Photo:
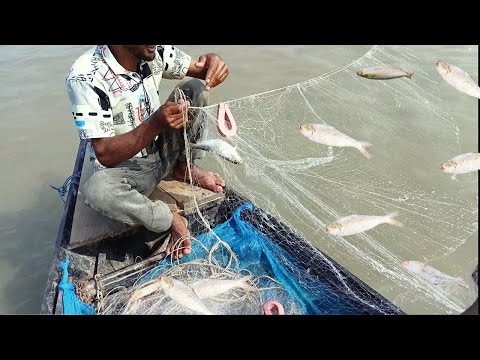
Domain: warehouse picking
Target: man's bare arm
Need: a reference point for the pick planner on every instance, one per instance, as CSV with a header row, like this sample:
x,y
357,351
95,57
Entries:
x,y
114,150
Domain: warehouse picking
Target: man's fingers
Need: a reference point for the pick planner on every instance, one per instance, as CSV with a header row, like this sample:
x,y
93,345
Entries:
x,y
219,75
201,61
177,122
218,78
212,69
222,74
177,109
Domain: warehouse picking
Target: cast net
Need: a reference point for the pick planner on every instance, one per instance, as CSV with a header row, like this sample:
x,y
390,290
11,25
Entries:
x,y
413,126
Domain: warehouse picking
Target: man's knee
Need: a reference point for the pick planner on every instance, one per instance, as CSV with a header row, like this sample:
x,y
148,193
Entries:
x,y
97,190
195,91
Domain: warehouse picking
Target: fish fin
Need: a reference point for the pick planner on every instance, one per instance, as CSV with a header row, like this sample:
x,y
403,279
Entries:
x,y
363,150
462,283
392,221
409,75
454,177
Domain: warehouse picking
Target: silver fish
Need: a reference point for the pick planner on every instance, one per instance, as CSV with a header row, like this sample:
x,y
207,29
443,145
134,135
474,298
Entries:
x,y
383,73
220,148
144,291
183,294
328,135
462,164
458,78
431,274
355,224
207,288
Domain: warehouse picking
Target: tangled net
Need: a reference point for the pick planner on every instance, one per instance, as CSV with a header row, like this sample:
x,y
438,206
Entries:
x,y
247,297
414,124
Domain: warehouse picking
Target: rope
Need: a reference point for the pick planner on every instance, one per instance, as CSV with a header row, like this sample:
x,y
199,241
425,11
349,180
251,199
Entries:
x,y
64,189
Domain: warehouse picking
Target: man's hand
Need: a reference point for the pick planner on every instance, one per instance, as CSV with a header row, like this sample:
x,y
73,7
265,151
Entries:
x,y
171,115
180,243
211,68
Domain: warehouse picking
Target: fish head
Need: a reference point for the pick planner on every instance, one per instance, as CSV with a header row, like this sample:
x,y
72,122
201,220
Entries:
x,y
414,266
333,228
442,67
448,166
307,129
366,73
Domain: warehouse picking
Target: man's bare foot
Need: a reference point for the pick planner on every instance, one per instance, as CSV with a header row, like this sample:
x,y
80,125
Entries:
x,y
176,247
205,179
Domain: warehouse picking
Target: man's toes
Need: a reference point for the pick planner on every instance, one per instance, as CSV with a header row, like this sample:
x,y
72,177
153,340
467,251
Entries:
x,y
219,180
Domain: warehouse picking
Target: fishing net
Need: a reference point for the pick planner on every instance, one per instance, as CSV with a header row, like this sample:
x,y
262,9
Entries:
x,y
270,272
215,263
307,186
298,187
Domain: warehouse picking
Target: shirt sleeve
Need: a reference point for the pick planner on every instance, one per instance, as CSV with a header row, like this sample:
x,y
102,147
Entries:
x,y
175,62
91,108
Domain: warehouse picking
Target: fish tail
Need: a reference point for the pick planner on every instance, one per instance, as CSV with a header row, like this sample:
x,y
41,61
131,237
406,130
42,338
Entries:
x,y
392,221
462,283
363,148
409,75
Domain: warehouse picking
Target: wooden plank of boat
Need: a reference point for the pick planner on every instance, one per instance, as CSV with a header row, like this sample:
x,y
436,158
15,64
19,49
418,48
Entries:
x,y
88,224
119,276
161,195
184,195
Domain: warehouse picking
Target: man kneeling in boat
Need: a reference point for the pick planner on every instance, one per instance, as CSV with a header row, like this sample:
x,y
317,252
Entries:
x,y
135,141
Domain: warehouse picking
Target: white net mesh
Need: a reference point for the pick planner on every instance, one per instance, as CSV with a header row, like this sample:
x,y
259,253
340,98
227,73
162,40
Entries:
x,y
206,284
308,186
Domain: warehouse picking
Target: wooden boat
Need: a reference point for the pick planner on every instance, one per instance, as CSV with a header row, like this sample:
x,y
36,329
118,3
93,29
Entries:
x,y
104,254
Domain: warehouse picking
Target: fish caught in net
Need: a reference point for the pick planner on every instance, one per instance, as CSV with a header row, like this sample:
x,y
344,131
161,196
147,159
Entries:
x,y
412,124
379,152
199,287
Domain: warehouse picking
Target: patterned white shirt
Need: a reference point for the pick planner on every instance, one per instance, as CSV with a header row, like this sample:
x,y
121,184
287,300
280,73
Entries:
x,y
108,100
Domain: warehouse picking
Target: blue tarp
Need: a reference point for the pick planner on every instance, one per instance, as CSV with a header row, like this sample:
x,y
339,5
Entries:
x,y
257,254
71,304
261,256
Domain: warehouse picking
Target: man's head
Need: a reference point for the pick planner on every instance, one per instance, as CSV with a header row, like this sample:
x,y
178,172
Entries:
x,y
142,52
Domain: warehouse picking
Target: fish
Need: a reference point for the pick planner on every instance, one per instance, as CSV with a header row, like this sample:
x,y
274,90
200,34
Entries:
x,y
328,135
355,224
220,148
462,164
145,291
458,78
183,295
207,288
383,73
431,274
